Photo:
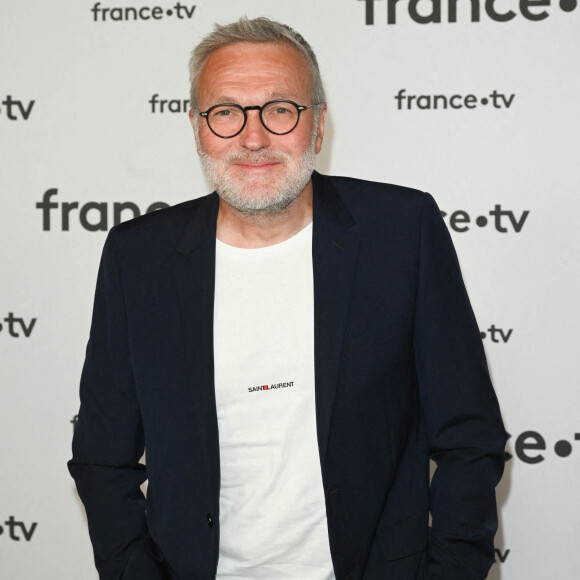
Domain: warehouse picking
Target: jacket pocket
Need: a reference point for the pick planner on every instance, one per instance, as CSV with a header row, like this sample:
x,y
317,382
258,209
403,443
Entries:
x,y
405,537
146,563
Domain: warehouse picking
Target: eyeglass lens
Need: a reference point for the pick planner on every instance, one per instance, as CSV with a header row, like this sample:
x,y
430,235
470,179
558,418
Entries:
x,y
277,116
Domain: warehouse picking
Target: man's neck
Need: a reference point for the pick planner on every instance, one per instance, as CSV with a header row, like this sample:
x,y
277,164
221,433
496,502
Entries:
x,y
257,231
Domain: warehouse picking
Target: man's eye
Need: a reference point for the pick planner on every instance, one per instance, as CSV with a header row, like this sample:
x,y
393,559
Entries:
x,y
281,110
225,114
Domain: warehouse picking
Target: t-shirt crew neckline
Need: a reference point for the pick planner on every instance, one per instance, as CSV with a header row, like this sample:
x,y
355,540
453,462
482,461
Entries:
x,y
289,244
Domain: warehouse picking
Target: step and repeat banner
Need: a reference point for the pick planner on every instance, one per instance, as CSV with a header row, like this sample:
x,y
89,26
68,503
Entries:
x,y
475,101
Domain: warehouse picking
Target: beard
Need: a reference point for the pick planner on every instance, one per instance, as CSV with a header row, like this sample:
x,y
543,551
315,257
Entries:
x,y
254,195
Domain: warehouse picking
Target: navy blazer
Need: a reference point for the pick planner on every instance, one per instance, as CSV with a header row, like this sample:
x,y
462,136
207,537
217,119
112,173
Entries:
x,y
400,377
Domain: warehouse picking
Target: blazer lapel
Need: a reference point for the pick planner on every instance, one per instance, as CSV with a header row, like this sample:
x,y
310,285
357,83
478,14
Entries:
x,y
194,279
334,252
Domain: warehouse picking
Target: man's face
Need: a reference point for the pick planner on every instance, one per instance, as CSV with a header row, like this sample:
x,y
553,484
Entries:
x,y
257,171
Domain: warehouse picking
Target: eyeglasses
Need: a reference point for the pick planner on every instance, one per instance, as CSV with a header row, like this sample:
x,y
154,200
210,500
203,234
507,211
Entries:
x,y
229,119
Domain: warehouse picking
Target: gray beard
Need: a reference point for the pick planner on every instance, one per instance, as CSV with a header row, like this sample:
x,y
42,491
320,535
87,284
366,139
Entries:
x,y
240,193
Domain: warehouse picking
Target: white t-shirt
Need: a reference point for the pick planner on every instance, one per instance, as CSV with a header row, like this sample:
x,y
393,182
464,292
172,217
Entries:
x,y
272,509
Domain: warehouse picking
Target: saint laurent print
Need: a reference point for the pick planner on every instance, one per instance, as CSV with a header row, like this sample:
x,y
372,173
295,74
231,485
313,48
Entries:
x,y
270,387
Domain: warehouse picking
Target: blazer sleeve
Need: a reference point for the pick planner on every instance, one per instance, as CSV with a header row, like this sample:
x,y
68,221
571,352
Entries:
x,y
108,441
465,429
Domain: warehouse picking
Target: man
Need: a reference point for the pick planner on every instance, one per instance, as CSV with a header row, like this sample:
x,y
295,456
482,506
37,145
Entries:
x,y
290,350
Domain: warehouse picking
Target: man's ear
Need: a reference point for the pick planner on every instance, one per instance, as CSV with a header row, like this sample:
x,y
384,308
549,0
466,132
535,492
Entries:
x,y
193,122
320,129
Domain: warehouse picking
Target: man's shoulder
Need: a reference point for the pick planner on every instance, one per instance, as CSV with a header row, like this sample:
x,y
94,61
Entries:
x,y
168,217
373,202
166,227
365,191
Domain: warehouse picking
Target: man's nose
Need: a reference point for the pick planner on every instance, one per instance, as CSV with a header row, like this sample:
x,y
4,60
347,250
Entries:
x,y
254,136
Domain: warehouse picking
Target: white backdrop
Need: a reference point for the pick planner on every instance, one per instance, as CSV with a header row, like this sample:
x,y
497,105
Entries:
x,y
79,126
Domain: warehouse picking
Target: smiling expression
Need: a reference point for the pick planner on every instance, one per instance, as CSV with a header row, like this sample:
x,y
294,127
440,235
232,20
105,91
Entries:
x,y
257,171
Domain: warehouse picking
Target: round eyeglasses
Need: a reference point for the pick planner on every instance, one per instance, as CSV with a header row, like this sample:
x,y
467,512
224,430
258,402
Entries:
x,y
229,119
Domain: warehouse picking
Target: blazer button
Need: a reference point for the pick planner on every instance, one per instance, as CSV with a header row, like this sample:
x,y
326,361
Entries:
x,y
209,520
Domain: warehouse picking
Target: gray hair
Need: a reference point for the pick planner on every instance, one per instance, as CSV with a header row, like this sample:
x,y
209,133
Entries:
x,y
258,31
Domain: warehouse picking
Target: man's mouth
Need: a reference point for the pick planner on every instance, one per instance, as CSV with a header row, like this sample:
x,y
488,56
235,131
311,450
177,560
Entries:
x,y
254,165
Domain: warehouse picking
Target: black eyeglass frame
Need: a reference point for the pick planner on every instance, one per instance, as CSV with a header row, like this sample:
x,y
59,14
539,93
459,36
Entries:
x,y
259,108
